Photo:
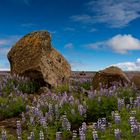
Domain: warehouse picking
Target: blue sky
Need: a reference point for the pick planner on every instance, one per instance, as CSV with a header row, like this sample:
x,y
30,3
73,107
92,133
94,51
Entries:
x,y
91,34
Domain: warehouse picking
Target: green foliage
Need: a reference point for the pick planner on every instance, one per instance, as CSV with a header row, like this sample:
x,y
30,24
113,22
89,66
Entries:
x,y
75,119
66,135
8,87
103,108
86,85
126,93
89,134
62,88
11,107
25,86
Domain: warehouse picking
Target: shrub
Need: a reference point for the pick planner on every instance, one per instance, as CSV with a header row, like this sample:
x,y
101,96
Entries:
x,y
11,107
75,119
62,88
126,93
103,108
86,85
25,86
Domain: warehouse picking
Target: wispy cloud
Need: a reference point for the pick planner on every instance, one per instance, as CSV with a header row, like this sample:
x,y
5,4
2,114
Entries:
x,y
28,25
77,65
69,29
4,65
82,18
9,40
96,45
93,30
69,46
120,43
4,51
116,14
5,45
129,66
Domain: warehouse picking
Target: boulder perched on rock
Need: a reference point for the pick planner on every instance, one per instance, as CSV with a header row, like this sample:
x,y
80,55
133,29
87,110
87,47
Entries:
x,y
136,80
109,77
33,56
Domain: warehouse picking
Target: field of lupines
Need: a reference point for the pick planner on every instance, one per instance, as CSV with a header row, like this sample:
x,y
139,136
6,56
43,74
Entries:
x,y
69,112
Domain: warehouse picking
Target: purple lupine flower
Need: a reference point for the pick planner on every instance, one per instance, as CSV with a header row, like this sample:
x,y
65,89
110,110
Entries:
x,y
84,127
104,121
23,117
120,104
134,129
65,123
43,122
132,120
32,136
58,135
32,120
117,133
81,109
95,125
4,135
95,135
18,128
71,99
117,118
103,127
82,136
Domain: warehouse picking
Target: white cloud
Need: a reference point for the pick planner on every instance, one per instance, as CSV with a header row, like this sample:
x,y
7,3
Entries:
x,y
82,18
114,13
69,46
9,40
5,45
124,43
4,66
4,51
3,42
96,45
129,66
78,65
120,43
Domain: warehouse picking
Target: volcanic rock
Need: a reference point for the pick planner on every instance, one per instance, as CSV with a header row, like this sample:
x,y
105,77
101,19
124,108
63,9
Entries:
x,y
109,77
136,80
33,56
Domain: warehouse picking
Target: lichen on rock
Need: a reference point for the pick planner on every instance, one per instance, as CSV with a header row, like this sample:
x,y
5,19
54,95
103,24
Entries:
x,y
33,56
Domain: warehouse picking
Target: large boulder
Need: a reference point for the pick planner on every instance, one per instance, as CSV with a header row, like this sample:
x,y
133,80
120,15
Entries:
x,y
136,80
33,56
109,77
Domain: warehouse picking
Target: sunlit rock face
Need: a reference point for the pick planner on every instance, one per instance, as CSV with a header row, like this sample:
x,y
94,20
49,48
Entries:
x,y
33,56
109,77
136,80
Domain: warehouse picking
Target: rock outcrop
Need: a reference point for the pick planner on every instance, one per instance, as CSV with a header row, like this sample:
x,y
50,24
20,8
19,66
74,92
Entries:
x,y
136,80
33,56
109,77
